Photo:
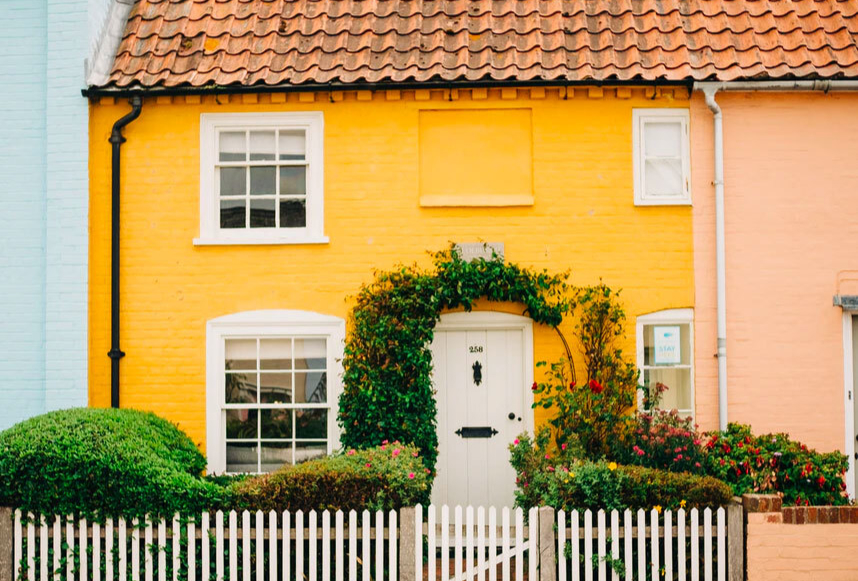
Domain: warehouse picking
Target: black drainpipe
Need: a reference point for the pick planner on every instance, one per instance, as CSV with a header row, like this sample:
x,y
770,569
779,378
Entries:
x,y
115,353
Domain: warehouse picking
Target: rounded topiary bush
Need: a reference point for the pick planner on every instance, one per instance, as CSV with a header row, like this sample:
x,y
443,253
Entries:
x,y
103,462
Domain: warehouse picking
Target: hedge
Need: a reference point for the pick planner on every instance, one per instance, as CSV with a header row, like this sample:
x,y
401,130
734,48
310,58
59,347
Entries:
x,y
551,477
103,462
387,477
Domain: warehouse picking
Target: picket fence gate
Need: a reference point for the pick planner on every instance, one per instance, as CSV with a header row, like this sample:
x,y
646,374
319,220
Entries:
x,y
414,544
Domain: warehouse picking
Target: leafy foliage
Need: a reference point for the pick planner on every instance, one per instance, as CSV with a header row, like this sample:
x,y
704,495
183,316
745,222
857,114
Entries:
x,y
383,478
559,478
666,440
387,390
99,463
103,462
775,463
598,411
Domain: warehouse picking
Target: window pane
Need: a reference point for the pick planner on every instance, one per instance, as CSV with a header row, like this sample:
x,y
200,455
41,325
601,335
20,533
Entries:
x,y
242,456
293,213
311,354
275,455
240,354
678,382
241,424
292,144
232,181
261,145
262,181
311,387
663,177
309,450
232,214
262,213
293,180
277,424
667,344
232,146
275,354
663,139
275,387
311,424
240,387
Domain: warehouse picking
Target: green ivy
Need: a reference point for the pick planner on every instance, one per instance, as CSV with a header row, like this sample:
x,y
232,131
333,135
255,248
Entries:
x,y
387,387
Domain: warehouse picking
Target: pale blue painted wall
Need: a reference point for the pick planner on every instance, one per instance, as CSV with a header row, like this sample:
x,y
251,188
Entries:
x,y
44,200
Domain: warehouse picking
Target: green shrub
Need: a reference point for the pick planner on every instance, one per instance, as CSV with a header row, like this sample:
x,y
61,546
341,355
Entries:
x,y
557,478
597,410
775,463
663,440
383,478
103,462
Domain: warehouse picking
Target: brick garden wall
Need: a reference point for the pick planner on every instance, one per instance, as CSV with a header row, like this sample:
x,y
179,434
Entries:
x,y
800,543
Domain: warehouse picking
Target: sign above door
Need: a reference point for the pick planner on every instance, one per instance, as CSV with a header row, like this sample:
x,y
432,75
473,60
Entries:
x,y
470,251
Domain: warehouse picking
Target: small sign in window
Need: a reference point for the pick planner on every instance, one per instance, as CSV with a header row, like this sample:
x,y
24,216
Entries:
x,y
667,349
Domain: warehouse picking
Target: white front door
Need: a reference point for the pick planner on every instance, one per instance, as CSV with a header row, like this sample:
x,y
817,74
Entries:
x,y
483,366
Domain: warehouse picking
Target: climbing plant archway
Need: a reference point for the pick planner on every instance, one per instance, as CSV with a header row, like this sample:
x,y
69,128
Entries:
x,y
387,387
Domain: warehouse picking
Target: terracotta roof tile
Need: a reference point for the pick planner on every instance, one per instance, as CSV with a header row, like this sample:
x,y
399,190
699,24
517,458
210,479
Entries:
x,y
174,43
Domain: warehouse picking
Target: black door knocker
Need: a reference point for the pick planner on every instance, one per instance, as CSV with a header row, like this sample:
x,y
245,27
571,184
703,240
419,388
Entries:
x,y
478,372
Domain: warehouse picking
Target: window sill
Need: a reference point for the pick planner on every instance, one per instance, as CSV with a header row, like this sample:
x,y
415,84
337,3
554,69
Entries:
x,y
261,241
676,202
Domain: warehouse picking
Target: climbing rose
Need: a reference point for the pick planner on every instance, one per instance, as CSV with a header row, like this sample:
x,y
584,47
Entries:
x,y
596,387
534,386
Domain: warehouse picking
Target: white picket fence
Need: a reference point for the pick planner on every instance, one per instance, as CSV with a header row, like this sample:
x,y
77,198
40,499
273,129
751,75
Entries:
x,y
226,547
481,544
664,546
416,544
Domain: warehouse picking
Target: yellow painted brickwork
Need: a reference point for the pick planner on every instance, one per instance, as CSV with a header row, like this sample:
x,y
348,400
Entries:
x,y
583,219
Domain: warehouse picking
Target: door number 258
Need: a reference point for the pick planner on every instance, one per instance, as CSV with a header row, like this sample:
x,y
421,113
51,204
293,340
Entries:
x,y
475,349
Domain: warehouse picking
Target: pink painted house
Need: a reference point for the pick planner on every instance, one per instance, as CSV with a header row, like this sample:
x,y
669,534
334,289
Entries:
x,y
790,217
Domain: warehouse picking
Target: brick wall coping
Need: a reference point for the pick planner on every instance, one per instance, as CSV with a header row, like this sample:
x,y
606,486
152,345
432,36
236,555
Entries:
x,y
798,515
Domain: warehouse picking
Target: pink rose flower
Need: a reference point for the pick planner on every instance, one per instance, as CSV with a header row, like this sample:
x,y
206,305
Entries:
x,y
411,475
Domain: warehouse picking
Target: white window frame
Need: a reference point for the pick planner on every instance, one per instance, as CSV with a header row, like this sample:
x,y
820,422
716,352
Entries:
x,y
640,117
667,317
259,324
312,122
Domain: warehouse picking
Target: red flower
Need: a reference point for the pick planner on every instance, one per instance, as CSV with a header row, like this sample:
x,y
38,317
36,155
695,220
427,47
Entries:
x,y
820,481
596,387
534,386
571,385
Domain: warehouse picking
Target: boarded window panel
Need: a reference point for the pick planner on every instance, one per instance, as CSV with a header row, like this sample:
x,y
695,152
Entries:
x,y
476,157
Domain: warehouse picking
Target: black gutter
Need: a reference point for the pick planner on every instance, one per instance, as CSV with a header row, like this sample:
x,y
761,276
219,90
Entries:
x,y
115,353
93,92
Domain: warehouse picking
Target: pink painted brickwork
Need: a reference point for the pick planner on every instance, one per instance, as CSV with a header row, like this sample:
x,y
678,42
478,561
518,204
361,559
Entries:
x,y
810,552
791,181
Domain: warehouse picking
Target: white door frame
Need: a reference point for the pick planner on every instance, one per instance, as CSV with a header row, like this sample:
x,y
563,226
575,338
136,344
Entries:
x,y
848,403
493,320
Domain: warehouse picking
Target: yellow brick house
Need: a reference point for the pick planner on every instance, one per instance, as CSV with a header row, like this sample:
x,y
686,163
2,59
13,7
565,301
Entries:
x,y
269,155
